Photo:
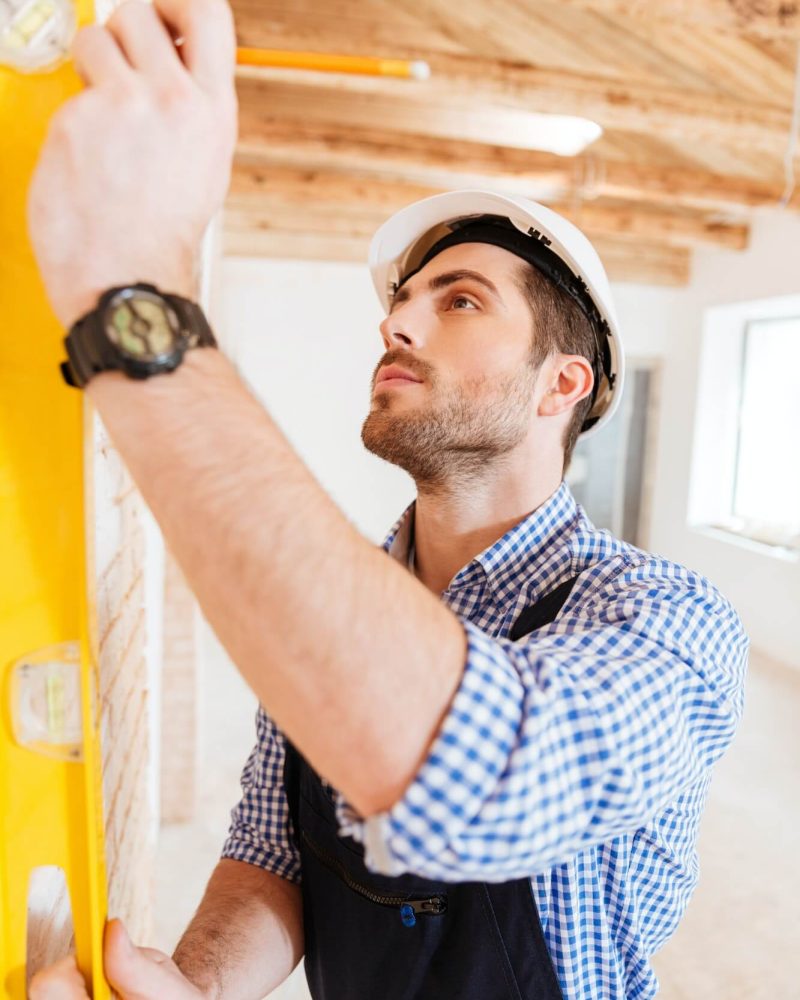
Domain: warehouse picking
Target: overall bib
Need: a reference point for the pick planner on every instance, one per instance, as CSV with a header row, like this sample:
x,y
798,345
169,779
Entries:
x,y
376,937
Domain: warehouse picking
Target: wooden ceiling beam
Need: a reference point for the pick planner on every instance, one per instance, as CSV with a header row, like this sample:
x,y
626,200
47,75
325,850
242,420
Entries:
x,y
246,236
637,222
482,100
449,163
280,190
766,18
645,264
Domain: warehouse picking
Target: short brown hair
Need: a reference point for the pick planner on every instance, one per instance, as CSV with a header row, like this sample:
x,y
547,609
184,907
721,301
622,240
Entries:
x,y
559,326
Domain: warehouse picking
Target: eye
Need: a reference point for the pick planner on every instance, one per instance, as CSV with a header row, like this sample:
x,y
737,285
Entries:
x,y
461,302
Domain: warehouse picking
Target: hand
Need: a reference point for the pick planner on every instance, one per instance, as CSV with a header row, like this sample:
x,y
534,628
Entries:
x,y
135,166
135,973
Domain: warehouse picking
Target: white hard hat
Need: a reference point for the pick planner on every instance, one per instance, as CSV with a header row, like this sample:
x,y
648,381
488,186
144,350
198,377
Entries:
x,y
553,245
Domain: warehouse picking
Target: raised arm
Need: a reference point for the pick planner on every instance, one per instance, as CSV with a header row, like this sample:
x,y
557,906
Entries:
x,y
318,621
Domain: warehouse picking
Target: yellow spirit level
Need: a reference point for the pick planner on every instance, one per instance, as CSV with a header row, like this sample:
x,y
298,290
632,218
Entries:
x,y
50,783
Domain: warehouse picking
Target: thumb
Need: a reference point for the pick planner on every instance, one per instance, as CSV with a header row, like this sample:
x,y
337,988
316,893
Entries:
x,y
135,973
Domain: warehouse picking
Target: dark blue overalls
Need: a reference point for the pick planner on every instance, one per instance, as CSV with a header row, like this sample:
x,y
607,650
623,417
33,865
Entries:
x,y
374,937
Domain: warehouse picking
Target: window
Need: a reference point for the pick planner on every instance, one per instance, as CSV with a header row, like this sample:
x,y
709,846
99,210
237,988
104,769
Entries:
x,y
746,472
765,503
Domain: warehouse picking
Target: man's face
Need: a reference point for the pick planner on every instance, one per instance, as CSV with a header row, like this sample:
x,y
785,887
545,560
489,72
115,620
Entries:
x,y
463,328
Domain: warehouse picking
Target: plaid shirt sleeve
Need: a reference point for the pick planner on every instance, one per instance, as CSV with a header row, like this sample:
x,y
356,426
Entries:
x,y
581,731
260,831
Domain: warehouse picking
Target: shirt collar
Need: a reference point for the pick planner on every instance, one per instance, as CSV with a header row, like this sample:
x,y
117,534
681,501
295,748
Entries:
x,y
529,543
400,539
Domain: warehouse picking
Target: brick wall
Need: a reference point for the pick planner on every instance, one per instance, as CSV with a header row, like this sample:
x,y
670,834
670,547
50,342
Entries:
x,y
179,729
124,694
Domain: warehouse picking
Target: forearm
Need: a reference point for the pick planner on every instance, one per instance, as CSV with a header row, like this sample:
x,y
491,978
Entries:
x,y
320,622
246,936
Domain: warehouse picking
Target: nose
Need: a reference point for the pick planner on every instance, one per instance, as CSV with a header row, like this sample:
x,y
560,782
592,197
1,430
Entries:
x,y
393,334
403,327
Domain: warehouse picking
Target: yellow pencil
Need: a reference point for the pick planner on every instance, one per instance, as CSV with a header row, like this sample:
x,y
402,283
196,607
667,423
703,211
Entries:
x,y
323,62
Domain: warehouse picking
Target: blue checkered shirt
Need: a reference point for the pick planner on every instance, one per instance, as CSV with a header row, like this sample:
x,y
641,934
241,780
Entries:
x,y
579,756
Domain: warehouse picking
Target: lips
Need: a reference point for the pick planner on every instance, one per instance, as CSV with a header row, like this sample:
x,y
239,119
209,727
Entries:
x,y
395,372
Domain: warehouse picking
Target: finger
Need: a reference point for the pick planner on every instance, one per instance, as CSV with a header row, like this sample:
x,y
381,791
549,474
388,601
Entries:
x,y
98,59
61,981
209,41
145,40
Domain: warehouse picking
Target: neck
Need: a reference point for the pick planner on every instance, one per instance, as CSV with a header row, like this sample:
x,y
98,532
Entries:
x,y
455,521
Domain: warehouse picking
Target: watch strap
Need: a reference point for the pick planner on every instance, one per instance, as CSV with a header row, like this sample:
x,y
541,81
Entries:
x,y
200,332
87,354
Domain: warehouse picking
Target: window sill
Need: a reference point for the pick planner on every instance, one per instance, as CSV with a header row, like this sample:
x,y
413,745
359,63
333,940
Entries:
x,y
732,537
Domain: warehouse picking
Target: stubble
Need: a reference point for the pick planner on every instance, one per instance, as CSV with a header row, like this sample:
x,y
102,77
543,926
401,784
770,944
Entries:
x,y
458,434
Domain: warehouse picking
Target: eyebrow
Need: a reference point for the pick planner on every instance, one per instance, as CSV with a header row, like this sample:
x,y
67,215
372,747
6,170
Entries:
x,y
403,293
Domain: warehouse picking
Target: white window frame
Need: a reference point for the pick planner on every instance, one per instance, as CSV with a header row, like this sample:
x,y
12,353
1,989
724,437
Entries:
x,y
716,431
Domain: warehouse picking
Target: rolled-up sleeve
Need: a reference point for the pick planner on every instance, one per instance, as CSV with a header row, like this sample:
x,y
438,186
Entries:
x,y
260,831
567,738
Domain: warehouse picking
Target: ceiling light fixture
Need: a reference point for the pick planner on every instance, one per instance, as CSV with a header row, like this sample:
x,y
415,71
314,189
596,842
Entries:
x,y
566,135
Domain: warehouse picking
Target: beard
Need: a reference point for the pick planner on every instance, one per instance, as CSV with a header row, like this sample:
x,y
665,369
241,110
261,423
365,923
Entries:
x,y
459,434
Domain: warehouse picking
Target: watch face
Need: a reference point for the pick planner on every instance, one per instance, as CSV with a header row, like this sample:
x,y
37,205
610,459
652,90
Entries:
x,y
142,325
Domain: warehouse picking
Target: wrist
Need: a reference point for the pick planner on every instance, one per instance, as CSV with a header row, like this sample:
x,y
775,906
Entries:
x,y
183,281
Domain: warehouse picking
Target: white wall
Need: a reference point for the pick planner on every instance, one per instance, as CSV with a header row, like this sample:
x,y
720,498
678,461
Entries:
x,y
305,336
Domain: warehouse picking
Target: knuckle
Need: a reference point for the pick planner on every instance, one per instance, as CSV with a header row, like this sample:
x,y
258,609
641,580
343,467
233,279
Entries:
x,y
129,94
177,95
137,104
62,123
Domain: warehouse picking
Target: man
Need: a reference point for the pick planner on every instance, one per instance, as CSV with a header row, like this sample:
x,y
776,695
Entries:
x,y
481,763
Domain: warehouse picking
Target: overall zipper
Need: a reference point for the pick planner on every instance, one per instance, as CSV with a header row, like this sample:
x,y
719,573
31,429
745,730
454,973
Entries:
x,y
429,906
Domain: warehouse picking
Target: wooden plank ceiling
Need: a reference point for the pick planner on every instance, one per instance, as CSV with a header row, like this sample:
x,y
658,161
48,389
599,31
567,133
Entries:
x,y
694,96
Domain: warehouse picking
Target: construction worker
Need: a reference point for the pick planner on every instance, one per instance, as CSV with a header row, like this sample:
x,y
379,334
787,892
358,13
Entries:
x,y
482,758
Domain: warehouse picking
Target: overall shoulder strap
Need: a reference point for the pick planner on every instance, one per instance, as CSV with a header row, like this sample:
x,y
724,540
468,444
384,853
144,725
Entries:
x,y
543,611
291,783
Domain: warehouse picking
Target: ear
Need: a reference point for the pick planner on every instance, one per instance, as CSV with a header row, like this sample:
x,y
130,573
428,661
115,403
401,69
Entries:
x,y
569,380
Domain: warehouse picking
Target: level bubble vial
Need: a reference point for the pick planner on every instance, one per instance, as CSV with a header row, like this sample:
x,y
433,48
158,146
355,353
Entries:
x,y
35,35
